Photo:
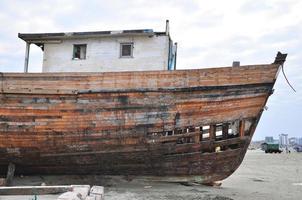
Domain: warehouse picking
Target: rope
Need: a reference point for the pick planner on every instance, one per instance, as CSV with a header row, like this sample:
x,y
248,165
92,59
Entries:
x,y
282,66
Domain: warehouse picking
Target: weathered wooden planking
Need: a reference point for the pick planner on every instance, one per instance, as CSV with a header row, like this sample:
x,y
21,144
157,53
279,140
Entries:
x,y
73,83
34,190
132,123
97,124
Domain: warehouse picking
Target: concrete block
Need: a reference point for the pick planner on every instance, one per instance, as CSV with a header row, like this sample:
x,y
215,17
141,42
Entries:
x,y
82,189
70,196
97,192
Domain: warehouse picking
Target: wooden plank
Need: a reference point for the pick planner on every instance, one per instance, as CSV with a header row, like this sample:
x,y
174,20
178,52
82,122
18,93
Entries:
x,y
10,174
212,132
197,135
34,190
242,128
72,83
225,130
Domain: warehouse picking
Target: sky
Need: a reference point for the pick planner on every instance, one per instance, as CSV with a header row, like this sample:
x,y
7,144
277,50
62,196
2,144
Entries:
x,y
209,34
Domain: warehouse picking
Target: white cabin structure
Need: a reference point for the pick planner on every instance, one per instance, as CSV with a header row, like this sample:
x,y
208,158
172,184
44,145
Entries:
x,y
104,51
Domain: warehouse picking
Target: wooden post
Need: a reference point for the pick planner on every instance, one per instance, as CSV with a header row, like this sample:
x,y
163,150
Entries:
x,y
167,28
212,132
10,173
26,57
241,128
197,135
225,130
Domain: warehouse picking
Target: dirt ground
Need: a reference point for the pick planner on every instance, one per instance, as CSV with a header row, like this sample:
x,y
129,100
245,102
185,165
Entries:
x,y
260,176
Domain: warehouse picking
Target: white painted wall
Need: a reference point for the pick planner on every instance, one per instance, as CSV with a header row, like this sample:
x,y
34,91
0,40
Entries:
x,y
103,55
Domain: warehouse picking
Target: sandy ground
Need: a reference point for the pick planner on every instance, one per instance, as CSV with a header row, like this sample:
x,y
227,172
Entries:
x,y
260,176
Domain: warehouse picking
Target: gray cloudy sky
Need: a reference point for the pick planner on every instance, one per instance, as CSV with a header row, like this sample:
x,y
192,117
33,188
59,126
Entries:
x,y
209,33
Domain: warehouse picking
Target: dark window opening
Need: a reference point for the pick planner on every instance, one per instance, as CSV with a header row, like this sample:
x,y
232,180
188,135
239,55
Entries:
x,y
218,132
169,133
126,50
196,134
79,51
205,132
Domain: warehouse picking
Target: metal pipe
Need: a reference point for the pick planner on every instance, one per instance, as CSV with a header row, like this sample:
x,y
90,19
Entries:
x,y
26,57
169,53
175,55
167,28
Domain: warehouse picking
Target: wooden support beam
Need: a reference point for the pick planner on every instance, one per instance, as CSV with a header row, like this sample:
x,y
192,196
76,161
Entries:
x,y
34,190
212,132
225,130
241,128
10,173
200,133
197,135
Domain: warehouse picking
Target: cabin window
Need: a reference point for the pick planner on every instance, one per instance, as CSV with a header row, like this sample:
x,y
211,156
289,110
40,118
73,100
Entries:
x,y
218,131
79,51
126,50
205,132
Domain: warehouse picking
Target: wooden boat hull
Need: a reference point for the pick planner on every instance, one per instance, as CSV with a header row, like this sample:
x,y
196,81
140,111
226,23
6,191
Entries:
x,y
186,123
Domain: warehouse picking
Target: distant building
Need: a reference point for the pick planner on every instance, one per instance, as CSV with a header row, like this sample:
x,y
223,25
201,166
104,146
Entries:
x,y
293,141
300,141
104,51
283,140
269,139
